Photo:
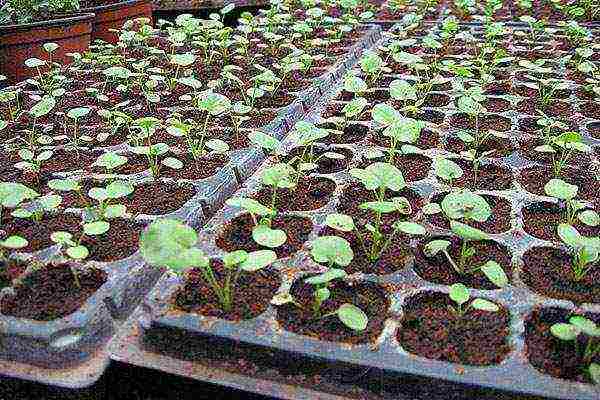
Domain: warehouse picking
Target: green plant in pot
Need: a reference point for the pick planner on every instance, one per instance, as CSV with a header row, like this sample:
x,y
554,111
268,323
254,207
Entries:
x,y
170,243
335,252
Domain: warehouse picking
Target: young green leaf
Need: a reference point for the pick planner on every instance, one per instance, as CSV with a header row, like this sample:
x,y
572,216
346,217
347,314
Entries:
x,y
332,250
353,317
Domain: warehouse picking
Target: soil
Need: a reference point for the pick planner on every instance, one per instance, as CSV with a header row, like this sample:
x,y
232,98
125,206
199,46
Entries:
x,y
326,165
353,133
395,257
10,270
200,168
498,222
486,122
427,140
51,292
590,109
533,179
527,149
237,234
252,293
38,233
438,270
369,297
311,193
414,167
541,220
429,329
159,198
500,147
551,355
489,176
119,242
594,129
547,271
555,108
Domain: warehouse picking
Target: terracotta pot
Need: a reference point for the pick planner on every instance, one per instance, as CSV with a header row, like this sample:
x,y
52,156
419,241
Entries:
x,y
113,16
20,42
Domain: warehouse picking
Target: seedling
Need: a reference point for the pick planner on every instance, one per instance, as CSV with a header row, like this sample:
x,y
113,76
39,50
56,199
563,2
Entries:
x,y
565,193
459,294
170,243
584,334
562,147
546,88
153,152
13,194
334,251
399,129
262,217
39,206
71,249
585,250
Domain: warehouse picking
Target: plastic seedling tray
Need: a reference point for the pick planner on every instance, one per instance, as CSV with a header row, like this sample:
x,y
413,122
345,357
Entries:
x,y
71,351
157,317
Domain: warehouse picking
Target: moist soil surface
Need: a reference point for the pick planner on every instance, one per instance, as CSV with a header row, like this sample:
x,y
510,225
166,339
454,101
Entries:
x,y
159,198
533,179
548,271
541,220
252,293
429,329
488,177
38,233
393,258
311,193
51,292
438,270
237,234
119,242
369,297
551,355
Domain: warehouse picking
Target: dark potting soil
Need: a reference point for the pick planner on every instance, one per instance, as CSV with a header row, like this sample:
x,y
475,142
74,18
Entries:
x,y
414,167
159,198
541,220
438,270
354,195
135,164
500,147
556,108
51,292
395,257
496,105
498,222
311,193
335,110
252,293
530,125
69,160
353,133
533,179
590,109
487,121
9,270
369,297
548,271
489,176
551,355
429,329
527,149
326,165
594,129
38,233
119,242
436,100
237,234
200,168
427,139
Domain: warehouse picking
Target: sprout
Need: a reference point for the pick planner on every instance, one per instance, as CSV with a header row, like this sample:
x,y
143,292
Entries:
x,y
585,250
562,147
577,328
170,243
459,294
